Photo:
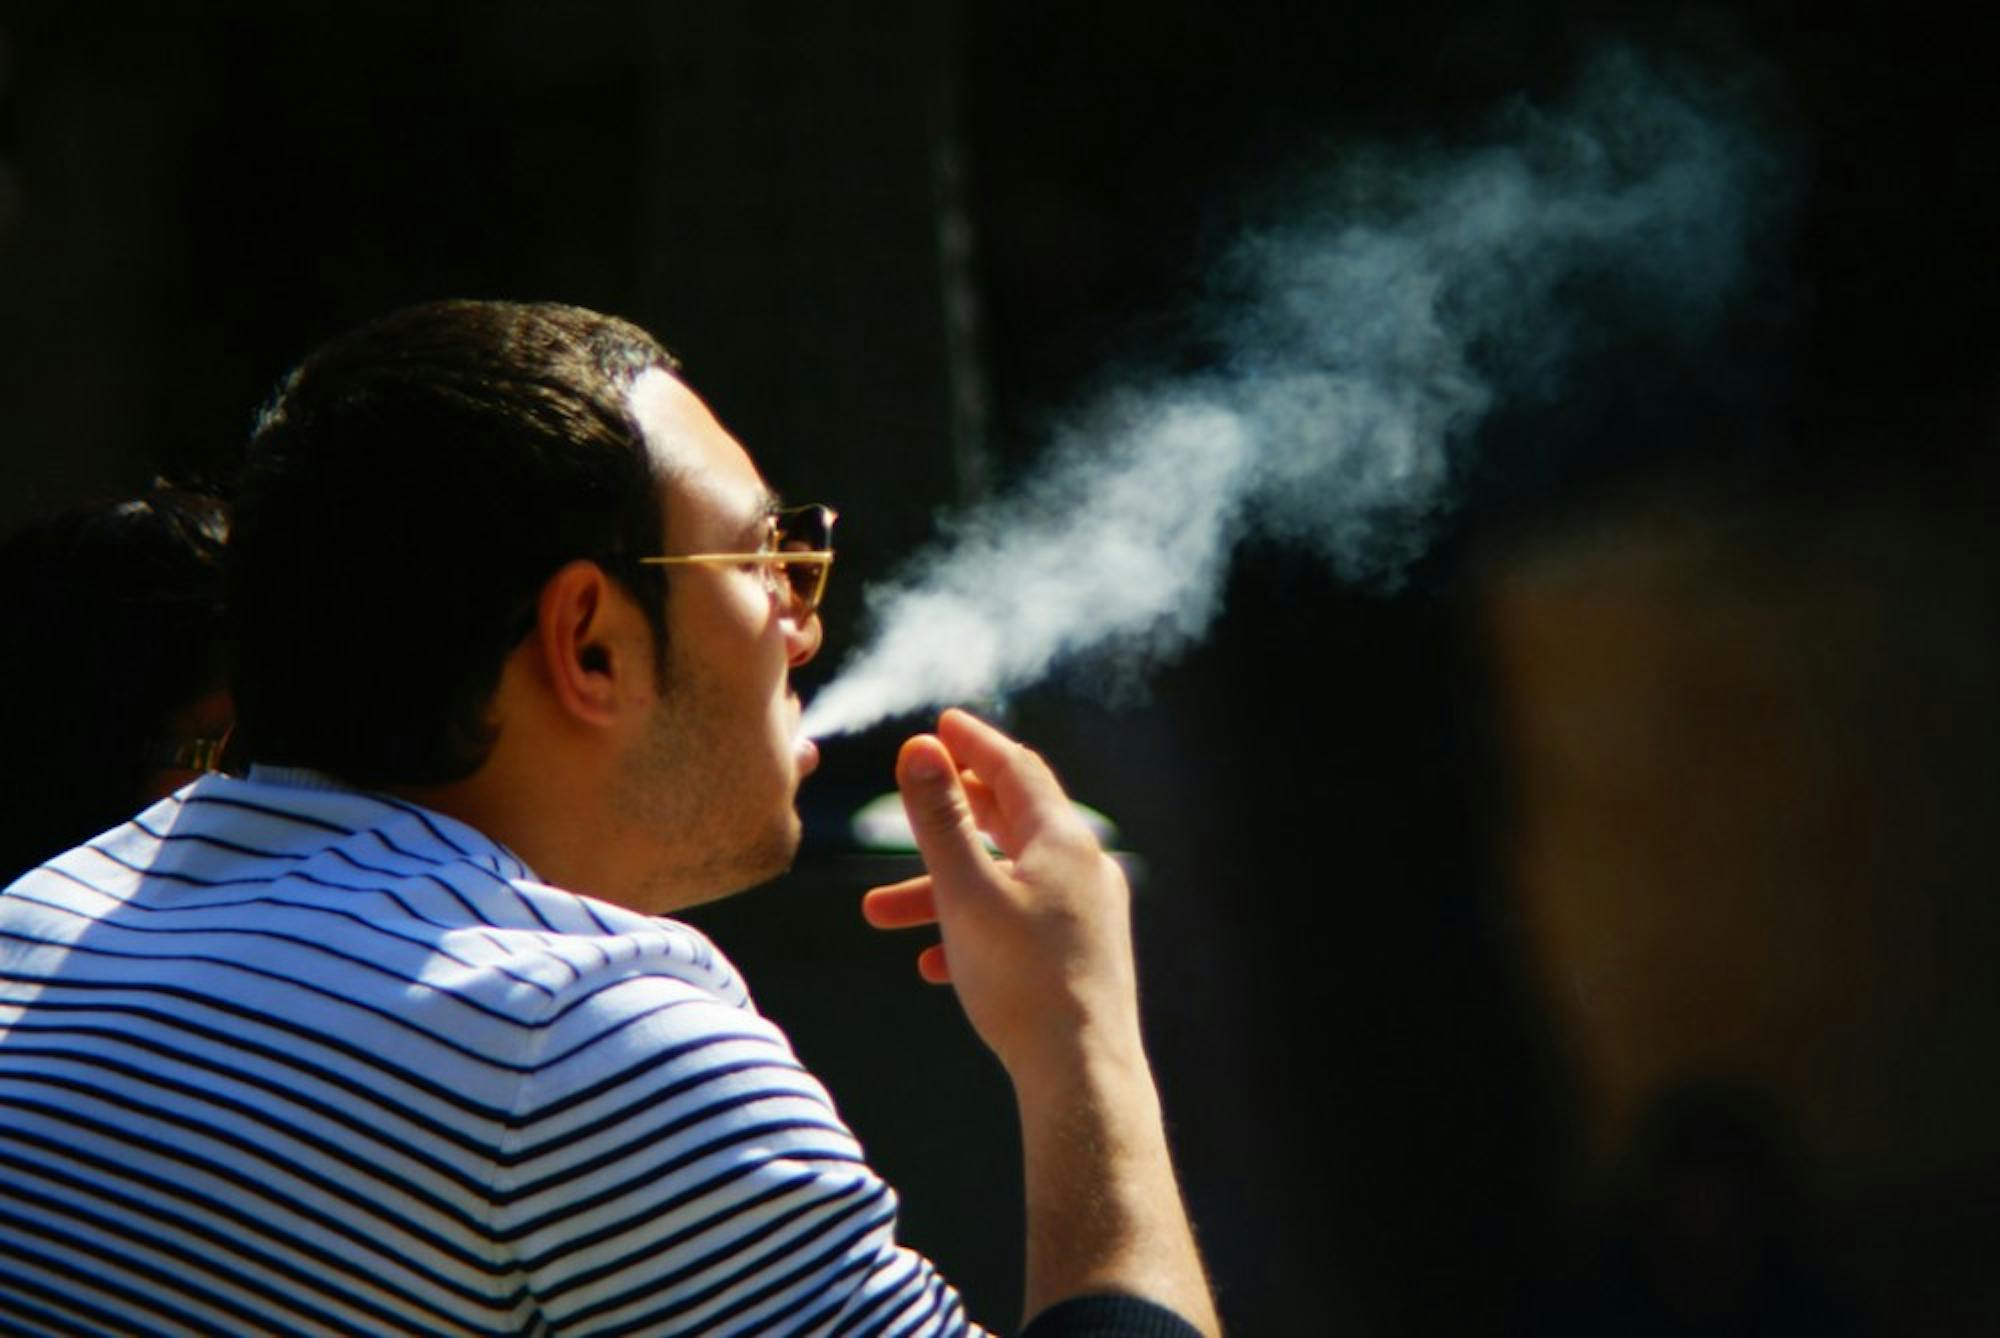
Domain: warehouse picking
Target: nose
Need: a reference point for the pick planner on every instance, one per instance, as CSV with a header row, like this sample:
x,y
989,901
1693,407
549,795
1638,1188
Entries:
x,y
802,638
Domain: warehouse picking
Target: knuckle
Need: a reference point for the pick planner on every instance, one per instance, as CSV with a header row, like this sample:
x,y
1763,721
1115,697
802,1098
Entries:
x,y
1067,835
1021,761
1035,765
944,812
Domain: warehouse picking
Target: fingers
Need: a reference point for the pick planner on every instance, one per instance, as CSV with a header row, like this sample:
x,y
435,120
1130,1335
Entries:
x,y
1024,794
966,778
908,905
940,814
985,808
975,743
903,905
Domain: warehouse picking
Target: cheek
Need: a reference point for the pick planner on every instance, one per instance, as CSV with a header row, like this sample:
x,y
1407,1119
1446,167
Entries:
x,y
742,607
720,623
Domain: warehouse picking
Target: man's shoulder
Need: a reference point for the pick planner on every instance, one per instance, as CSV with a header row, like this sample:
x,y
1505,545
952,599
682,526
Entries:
x,y
301,867
600,952
650,1006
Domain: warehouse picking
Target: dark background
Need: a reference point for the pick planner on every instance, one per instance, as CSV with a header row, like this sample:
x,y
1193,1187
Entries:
x,y
1593,933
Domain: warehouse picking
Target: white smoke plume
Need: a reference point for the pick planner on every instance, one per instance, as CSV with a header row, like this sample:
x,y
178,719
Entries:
x,y
1366,339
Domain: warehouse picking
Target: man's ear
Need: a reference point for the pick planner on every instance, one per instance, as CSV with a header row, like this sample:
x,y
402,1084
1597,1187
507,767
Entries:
x,y
584,628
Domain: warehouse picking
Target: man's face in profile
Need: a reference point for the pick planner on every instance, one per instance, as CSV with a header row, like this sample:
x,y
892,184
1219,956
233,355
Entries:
x,y
714,778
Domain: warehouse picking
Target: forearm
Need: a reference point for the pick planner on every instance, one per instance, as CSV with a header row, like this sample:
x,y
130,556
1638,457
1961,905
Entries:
x,y
1104,1210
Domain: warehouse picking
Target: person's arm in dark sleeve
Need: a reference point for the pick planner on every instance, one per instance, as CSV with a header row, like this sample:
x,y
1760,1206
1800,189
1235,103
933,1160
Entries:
x,y
1109,1317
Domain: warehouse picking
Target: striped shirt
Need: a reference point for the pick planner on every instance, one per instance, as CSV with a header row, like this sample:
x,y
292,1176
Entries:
x,y
278,1056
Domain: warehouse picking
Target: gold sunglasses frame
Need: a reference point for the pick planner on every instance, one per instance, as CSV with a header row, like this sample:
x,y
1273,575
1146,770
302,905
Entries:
x,y
820,559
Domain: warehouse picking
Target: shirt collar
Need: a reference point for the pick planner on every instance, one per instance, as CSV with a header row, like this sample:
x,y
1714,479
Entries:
x,y
467,838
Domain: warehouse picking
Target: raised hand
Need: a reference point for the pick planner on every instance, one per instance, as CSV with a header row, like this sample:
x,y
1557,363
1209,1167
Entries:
x,y
1037,941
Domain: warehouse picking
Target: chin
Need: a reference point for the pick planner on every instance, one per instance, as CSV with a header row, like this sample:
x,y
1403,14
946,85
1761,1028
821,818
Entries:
x,y
785,848
756,862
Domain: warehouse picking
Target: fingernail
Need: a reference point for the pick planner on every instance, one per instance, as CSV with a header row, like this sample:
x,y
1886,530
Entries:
x,y
924,767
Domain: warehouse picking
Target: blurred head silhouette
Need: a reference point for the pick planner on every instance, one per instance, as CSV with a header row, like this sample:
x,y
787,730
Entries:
x,y
110,665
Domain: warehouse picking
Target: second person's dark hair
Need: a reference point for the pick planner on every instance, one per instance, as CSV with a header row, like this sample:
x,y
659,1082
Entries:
x,y
113,621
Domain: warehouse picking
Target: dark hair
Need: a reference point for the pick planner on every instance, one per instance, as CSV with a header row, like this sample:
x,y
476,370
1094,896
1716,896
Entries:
x,y
110,622
408,491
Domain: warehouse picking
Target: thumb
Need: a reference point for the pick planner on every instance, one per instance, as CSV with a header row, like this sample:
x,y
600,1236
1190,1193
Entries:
x,y
940,815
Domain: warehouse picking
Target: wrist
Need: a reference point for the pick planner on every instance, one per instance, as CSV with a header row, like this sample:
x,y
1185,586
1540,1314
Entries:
x,y
1092,1066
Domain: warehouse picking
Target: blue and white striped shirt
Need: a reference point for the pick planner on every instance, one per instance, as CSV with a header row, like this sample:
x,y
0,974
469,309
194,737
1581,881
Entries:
x,y
279,1056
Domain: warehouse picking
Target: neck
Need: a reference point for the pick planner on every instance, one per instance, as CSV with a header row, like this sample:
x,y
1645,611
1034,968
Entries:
x,y
555,829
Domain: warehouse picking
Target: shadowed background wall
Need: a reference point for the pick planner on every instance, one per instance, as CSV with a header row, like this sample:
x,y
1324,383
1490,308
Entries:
x,y
1666,785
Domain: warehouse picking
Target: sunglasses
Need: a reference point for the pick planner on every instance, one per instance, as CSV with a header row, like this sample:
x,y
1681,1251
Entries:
x,y
797,558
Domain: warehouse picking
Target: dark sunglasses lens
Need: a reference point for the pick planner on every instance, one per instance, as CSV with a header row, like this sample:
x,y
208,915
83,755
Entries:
x,y
804,578
806,529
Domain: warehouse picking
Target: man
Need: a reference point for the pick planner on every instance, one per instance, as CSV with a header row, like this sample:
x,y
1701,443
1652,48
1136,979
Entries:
x,y
390,1037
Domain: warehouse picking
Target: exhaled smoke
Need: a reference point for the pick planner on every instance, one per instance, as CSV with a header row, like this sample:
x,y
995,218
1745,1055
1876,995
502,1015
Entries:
x,y
1367,339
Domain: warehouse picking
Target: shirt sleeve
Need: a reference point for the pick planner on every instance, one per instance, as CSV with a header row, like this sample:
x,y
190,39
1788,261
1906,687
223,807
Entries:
x,y
670,1165
1109,1316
